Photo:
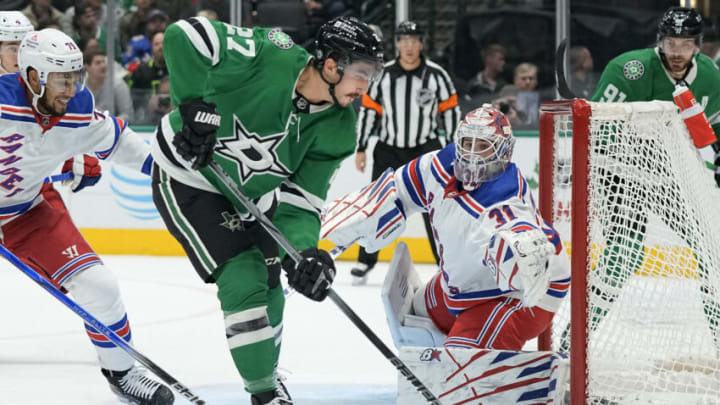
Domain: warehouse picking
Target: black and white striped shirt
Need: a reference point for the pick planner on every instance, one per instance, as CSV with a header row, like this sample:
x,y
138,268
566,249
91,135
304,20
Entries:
x,y
408,108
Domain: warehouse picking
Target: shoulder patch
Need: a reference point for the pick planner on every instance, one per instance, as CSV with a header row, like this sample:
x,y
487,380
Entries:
x,y
280,39
633,69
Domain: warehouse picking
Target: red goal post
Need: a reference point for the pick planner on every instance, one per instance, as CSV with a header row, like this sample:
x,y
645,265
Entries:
x,y
580,111
626,189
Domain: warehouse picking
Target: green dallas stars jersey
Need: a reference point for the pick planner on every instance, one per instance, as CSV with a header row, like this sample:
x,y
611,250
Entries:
x,y
641,76
263,143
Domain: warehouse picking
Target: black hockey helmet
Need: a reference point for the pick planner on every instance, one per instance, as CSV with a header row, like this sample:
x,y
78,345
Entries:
x,y
409,28
681,22
348,40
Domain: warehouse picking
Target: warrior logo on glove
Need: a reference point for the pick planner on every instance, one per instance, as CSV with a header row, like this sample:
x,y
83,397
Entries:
x,y
196,141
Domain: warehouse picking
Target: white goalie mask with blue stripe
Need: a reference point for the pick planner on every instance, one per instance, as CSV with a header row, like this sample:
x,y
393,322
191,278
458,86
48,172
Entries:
x,y
483,146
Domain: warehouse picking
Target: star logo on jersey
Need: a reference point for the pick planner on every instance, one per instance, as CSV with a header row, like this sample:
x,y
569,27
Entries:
x,y
633,70
252,153
231,221
280,39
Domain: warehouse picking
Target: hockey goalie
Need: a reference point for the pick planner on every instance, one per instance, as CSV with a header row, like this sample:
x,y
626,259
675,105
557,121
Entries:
x,y
502,272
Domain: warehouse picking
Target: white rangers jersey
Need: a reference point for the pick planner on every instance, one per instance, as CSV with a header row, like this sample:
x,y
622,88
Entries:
x,y
463,223
32,146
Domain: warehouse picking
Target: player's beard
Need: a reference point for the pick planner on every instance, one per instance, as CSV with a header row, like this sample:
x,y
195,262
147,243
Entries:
x,y
49,109
677,65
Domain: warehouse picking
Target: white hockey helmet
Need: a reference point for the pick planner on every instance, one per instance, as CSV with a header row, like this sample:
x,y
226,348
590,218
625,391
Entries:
x,y
483,146
50,51
13,26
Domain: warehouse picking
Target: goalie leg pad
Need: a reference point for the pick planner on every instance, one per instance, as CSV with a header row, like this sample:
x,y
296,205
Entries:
x,y
472,376
400,288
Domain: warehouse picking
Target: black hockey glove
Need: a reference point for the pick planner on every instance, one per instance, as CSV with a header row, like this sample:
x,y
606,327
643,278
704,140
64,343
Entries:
x,y
196,140
313,276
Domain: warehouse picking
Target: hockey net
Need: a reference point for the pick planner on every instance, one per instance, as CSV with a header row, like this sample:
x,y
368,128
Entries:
x,y
640,215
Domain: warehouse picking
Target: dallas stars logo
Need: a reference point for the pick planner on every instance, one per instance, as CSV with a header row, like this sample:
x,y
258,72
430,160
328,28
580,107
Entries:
x,y
231,221
280,39
633,70
252,153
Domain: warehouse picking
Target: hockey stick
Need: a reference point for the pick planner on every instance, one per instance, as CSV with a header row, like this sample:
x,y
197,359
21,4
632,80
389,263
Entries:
x,y
562,85
59,177
288,247
92,321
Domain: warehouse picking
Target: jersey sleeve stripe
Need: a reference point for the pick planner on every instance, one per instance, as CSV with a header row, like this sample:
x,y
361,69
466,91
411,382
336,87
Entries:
x,y
202,36
294,195
417,180
410,187
102,155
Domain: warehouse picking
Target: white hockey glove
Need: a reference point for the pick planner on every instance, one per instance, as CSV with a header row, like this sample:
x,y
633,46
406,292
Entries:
x,y
373,217
519,261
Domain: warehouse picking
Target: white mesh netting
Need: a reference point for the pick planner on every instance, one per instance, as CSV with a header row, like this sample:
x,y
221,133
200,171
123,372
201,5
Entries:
x,y
654,273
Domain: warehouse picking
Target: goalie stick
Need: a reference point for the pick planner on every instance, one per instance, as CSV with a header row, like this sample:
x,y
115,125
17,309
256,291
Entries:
x,y
562,84
225,179
95,323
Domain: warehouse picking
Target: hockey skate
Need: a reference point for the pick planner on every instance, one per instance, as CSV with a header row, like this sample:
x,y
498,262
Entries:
x,y
132,386
279,396
359,273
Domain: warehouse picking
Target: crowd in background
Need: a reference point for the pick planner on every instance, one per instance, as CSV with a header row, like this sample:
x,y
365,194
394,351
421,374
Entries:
x,y
139,89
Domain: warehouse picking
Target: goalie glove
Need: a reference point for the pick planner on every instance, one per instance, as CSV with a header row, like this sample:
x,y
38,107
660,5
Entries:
x,y
519,261
373,217
86,172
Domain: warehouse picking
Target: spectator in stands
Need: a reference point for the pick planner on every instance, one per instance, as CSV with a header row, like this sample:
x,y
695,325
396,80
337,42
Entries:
x,y
66,25
147,77
159,103
86,27
117,101
486,85
41,13
583,79
140,49
133,22
520,101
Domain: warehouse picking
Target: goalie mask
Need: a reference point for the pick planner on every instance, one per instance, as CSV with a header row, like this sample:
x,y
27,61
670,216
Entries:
x,y
483,146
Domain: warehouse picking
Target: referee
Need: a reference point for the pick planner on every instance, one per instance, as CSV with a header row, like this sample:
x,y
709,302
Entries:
x,y
411,108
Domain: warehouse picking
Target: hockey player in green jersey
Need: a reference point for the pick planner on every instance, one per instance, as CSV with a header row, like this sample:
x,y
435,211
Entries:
x,y
646,75
652,73
276,119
